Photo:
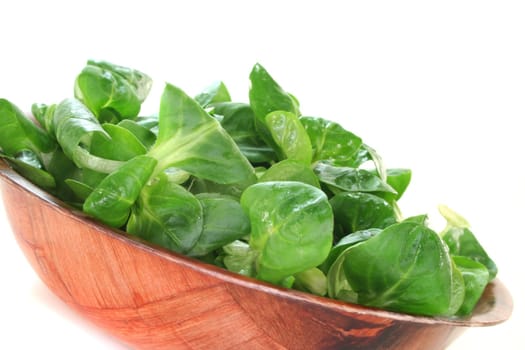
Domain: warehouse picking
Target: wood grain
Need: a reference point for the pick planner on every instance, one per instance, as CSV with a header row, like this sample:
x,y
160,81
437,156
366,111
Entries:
x,y
153,299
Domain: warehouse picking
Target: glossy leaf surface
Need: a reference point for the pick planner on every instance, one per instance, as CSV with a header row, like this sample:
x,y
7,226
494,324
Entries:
x,y
356,211
224,221
399,179
112,199
110,91
351,179
168,215
405,268
476,277
18,133
238,120
291,227
330,141
462,241
290,137
192,140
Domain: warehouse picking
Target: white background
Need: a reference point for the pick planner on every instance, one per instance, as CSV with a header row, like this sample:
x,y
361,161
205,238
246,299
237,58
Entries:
x,y
438,88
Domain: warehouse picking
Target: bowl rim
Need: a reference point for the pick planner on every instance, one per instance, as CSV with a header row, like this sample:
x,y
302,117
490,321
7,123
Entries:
x,y
495,288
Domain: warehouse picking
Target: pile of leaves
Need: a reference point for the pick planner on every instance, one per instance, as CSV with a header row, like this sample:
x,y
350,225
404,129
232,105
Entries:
x,y
256,188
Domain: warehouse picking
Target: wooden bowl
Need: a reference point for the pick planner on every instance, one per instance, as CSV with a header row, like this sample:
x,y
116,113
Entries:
x,y
150,298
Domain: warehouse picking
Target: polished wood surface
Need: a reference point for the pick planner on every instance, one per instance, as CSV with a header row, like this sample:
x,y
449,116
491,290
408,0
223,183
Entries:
x,y
150,298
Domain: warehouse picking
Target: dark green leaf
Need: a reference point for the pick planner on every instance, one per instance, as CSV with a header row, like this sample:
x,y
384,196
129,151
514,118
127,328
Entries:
x,y
351,179
291,227
476,278
356,211
206,186
399,179
112,199
345,242
18,133
238,120
462,241
224,221
168,215
112,92
330,141
405,268
29,167
267,96
80,189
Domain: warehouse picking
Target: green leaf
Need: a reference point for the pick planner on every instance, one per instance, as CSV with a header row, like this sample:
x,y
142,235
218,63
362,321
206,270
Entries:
x,y
62,168
74,126
476,278
290,136
378,162
110,91
28,165
238,120
39,111
206,186
418,219
240,258
111,201
215,93
123,145
166,214
336,282
312,280
267,96
80,189
291,227
330,141
405,268
142,133
290,170
18,133
399,179
192,140
149,122
345,242
356,211
462,241
224,221
351,179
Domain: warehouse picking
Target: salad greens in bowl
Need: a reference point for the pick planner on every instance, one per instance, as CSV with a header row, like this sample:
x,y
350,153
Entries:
x,y
256,188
